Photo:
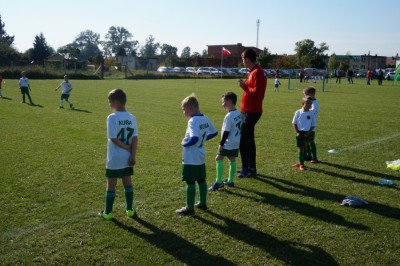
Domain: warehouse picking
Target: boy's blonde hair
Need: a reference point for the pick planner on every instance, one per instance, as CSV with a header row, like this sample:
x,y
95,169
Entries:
x,y
309,91
191,100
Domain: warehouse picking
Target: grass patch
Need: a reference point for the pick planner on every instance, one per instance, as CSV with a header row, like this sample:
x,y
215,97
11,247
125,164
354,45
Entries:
x,y
52,175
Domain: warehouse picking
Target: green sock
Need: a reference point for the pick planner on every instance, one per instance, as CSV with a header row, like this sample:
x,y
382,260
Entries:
x,y
220,170
313,148
129,198
110,196
232,171
302,156
203,193
190,195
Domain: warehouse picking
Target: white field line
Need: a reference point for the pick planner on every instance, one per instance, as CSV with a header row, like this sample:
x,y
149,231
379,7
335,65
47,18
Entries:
x,y
369,142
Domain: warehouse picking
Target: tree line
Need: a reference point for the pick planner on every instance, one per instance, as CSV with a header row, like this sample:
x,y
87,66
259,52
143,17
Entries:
x,y
119,42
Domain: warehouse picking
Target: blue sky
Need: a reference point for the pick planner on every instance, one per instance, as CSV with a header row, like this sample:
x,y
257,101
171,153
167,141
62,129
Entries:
x,y
346,26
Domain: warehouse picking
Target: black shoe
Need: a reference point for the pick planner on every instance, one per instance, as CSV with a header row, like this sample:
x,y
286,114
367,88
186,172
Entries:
x,y
308,158
71,106
252,171
201,207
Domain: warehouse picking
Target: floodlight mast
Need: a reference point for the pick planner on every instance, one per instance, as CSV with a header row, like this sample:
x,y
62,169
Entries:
x,y
258,29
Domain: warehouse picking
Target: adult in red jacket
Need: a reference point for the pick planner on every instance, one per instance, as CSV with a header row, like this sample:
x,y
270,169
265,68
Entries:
x,y
251,108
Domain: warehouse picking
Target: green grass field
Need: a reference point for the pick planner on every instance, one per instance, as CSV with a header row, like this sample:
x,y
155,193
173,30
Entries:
x,y
52,180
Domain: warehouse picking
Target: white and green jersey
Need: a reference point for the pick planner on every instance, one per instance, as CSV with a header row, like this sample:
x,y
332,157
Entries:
x,y
66,87
315,110
200,127
233,124
24,82
120,125
304,120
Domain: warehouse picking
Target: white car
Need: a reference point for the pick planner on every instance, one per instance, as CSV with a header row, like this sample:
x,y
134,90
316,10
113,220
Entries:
x,y
390,76
164,69
190,70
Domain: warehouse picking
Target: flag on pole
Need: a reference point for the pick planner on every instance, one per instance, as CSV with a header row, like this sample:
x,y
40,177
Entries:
x,y
225,51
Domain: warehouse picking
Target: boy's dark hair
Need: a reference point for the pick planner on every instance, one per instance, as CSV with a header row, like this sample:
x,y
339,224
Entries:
x,y
309,91
117,95
230,96
250,54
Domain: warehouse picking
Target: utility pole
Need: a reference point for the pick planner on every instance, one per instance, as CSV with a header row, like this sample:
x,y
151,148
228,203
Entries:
x,y
258,29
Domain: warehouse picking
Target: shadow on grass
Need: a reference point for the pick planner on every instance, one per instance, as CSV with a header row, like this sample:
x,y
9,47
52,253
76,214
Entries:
x,y
360,171
80,110
178,247
301,208
36,105
291,253
298,189
5,98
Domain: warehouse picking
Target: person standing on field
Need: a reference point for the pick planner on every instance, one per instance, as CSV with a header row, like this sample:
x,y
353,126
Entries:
x,y
369,76
251,109
380,77
66,90
25,87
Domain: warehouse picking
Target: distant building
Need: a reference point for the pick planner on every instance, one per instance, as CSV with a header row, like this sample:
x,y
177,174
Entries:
x,y
363,62
232,60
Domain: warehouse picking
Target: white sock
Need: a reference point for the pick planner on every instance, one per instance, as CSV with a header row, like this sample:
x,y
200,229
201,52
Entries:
x,y
62,103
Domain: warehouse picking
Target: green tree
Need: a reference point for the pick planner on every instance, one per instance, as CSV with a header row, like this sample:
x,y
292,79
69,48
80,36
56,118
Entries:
x,y
204,53
149,49
284,62
117,37
185,52
88,43
196,54
8,54
309,55
265,58
41,50
4,37
121,51
167,50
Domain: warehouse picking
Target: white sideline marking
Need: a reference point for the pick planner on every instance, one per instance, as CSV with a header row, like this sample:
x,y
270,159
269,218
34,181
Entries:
x,y
369,142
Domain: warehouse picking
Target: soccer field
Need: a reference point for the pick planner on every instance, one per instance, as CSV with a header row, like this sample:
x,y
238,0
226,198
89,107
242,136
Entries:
x,y
52,165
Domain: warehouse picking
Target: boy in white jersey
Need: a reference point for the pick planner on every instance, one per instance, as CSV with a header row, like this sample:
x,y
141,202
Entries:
x,y
303,124
276,83
122,142
66,90
230,141
311,146
199,130
25,87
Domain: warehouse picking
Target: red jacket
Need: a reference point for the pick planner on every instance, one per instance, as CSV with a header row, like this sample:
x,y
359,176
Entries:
x,y
254,91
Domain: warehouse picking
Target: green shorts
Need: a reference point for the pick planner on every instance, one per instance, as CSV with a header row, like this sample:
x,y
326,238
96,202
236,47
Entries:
x,y
24,90
229,153
192,173
115,173
301,140
64,96
311,137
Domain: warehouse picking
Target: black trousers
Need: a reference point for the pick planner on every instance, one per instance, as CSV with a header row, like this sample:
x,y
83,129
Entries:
x,y
247,142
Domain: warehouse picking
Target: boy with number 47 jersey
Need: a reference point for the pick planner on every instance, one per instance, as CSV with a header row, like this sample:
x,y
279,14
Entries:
x,y
122,137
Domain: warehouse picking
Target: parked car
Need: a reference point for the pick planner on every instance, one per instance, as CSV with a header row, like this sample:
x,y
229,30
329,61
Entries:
x,y
190,70
244,71
203,71
179,70
361,74
215,71
390,76
164,69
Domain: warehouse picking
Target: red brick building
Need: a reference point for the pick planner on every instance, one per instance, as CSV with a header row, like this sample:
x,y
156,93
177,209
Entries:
x,y
232,60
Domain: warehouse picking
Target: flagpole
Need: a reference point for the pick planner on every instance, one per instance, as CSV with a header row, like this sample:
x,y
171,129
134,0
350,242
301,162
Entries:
x,y
222,59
